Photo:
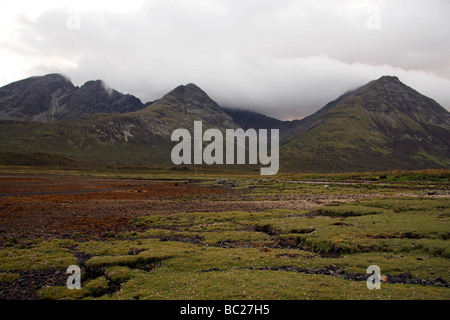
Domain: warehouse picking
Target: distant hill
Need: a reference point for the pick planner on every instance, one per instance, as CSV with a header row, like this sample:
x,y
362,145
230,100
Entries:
x,y
249,119
254,120
383,125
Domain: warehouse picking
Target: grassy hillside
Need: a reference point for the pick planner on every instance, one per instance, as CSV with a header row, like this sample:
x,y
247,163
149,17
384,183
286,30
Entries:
x,y
112,139
351,138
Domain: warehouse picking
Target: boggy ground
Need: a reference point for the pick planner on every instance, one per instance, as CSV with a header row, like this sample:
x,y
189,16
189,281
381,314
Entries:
x,y
200,237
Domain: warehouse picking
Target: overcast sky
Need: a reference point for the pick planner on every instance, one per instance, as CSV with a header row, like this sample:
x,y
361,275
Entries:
x,y
283,58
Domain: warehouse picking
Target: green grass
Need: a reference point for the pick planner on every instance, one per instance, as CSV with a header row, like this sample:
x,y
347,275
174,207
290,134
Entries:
x,y
183,276
350,211
91,289
368,225
37,254
256,285
398,234
431,175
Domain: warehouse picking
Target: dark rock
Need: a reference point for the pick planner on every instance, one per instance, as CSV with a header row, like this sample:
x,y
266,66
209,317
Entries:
x,y
441,280
361,277
53,97
226,242
211,270
406,275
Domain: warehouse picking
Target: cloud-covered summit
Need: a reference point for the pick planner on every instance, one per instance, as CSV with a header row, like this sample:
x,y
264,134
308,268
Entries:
x,y
285,59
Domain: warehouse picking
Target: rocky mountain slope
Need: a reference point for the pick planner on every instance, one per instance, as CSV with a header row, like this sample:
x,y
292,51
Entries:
x,y
383,125
53,97
181,107
139,137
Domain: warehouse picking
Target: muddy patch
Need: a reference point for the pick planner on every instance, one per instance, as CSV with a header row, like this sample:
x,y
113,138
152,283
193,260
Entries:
x,y
25,288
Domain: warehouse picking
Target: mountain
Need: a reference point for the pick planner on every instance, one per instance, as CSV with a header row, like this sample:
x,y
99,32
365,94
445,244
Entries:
x,y
138,137
53,97
253,120
249,119
384,125
184,105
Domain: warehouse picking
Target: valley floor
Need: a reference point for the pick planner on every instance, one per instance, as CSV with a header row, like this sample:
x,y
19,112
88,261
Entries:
x,y
186,236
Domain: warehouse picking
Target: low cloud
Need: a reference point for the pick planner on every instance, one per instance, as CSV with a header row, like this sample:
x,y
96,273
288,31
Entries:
x,y
285,59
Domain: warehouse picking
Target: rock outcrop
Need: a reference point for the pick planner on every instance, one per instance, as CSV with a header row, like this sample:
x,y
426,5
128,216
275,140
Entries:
x,y
53,97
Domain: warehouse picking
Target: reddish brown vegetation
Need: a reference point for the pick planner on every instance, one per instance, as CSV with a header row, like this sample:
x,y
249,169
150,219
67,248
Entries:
x,y
56,206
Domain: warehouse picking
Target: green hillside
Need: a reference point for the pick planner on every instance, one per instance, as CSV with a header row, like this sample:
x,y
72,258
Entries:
x,y
369,131
111,139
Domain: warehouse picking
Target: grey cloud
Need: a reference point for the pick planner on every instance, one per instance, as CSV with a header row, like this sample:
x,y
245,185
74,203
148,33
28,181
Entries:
x,y
282,58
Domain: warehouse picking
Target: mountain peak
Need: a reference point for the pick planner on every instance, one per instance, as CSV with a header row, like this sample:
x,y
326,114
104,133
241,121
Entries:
x,y
191,97
389,79
383,83
189,91
388,95
93,83
193,86
55,76
48,82
383,125
187,103
53,97
49,77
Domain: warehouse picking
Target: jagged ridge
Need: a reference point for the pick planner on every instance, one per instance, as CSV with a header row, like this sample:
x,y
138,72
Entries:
x,y
53,97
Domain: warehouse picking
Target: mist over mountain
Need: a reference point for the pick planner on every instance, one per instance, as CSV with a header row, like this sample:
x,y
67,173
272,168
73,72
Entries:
x,y
53,97
382,125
